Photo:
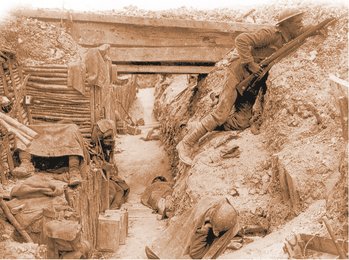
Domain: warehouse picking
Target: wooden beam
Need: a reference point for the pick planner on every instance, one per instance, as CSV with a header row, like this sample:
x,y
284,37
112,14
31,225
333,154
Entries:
x,y
121,35
168,54
161,69
46,14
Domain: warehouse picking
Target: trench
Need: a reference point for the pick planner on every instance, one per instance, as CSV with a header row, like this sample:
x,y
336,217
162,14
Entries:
x,y
139,162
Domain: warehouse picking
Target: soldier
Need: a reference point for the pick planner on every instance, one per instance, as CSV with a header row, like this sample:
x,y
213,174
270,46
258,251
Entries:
x,y
251,49
158,196
194,233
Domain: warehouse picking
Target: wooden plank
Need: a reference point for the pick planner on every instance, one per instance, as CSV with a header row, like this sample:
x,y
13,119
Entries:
x,y
59,81
162,69
343,106
175,54
4,81
51,15
46,71
120,35
323,244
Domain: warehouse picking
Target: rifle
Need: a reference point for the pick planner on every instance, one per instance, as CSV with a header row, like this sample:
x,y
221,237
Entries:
x,y
285,50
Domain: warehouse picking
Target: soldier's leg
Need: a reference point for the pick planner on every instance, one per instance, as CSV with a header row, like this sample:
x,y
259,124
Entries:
x,y
74,170
26,168
217,117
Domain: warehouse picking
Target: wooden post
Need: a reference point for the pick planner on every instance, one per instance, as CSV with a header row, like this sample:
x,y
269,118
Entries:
x,y
107,202
10,162
342,88
104,191
330,231
17,109
2,167
10,66
4,81
343,105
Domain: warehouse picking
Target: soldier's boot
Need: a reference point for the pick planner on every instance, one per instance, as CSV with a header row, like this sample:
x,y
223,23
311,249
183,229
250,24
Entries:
x,y
26,168
74,170
184,147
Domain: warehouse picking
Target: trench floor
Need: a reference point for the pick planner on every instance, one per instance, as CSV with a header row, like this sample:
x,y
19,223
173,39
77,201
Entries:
x,y
139,162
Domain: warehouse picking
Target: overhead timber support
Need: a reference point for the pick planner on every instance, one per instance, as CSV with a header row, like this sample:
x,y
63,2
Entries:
x,y
150,45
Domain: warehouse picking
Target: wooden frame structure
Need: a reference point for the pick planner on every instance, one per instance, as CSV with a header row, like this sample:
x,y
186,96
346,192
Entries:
x,y
151,45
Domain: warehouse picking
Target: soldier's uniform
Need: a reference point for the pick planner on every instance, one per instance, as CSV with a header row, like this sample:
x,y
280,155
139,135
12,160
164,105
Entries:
x,y
251,48
222,216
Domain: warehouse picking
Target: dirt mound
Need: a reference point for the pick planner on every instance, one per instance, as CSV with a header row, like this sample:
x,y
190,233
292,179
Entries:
x,y
12,249
37,42
218,14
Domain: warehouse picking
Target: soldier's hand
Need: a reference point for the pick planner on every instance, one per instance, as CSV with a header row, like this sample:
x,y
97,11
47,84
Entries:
x,y
107,166
206,227
253,67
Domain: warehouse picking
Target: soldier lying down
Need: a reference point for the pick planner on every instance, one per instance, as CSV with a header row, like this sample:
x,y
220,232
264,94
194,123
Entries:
x,y
158,197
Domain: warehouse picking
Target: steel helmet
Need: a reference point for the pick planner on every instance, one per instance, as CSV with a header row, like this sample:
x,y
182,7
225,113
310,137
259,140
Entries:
x,y
223,217
287,14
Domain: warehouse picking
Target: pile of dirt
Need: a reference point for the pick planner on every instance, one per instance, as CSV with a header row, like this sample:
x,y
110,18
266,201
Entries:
x,y
218,14
36,42
262,14
12,249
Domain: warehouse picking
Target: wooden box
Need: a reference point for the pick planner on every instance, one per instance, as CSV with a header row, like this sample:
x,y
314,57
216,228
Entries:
x,y
108,232
123,215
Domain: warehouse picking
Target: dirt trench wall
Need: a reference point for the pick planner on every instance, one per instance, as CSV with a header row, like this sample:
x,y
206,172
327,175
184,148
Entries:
x,y
302,124
176,100
299,149
171,109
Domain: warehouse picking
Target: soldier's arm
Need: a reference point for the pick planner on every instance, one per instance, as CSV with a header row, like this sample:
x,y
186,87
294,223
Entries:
x,y
199,246
245,42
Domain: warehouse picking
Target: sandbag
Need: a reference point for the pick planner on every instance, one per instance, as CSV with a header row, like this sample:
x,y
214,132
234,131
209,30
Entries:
x,y
37,186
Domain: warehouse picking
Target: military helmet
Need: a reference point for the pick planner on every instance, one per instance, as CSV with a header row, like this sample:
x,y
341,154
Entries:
x,y
223,217
288,14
